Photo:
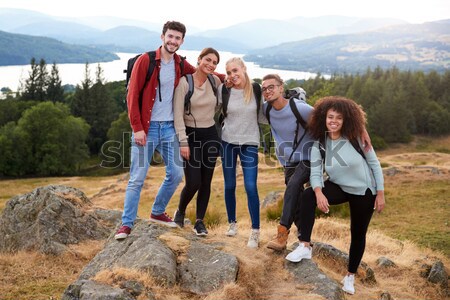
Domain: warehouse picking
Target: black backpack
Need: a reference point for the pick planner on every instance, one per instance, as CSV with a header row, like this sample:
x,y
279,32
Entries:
x,y
151,68
190,92
226,97
299,119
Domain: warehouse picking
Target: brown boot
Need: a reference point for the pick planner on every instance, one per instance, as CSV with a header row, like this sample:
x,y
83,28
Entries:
x,y
280,241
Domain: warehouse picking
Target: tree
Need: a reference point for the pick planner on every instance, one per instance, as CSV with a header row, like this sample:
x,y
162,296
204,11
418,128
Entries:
x,y
42,81
55,91
29,91
116,151
56,140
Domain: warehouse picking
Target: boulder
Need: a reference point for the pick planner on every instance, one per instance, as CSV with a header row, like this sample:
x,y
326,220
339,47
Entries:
x,y
48,219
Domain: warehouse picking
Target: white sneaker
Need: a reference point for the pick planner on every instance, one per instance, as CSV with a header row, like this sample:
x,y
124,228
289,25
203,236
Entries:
x,y
232,230
299,253
253,240
349,284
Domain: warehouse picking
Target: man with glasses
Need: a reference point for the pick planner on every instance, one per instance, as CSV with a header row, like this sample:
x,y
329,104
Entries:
x,y
293,146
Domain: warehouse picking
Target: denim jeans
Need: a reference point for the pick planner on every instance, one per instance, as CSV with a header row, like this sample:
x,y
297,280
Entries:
x,y
248,156
161,136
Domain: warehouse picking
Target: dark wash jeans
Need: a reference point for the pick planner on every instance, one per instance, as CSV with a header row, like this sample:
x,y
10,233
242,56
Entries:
x,y
295,177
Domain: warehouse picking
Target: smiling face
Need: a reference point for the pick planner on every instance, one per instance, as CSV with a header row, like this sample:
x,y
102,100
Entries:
x,y
172,40
236,74
272,90
334,123
208,63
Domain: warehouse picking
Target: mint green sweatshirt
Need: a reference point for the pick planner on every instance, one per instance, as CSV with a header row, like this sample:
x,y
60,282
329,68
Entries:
x,y
346,167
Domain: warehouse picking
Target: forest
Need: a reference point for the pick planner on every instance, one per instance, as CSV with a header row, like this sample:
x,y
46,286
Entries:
x,y
47,129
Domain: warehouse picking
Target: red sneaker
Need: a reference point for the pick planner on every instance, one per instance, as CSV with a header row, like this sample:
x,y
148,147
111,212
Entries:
x,y
163,219
122,233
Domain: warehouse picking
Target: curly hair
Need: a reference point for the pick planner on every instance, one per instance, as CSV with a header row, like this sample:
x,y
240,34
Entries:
x,y
353,114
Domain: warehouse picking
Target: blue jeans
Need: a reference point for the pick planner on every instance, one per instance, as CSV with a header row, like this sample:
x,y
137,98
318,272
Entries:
x,y
161,136
248,156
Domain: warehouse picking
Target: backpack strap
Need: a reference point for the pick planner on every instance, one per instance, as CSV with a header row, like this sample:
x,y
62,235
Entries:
x,y
150,69
268,109
357,147
300,122
297,114
225,99
187,97
257,92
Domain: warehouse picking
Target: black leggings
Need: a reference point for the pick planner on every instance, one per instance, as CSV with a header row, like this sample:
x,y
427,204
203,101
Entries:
x,y
361,210
204,145
295,177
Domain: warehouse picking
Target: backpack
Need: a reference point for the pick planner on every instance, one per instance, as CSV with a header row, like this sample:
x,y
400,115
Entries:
x,y
226,97
151,68
295,93
190,92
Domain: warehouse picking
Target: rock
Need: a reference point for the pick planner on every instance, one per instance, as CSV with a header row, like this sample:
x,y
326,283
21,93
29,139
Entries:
x,y
272,198
385,262
438,275
201,269
141,251
206,269
48,219
364,271
307,272
91,290
386,296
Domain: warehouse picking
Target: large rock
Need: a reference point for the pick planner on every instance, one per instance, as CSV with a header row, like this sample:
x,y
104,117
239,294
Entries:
x,y
207,269
307,272
50,218
197,267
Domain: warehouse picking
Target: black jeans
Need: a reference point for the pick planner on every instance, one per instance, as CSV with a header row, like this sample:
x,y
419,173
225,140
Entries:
x,y
361,210
295,177
204,145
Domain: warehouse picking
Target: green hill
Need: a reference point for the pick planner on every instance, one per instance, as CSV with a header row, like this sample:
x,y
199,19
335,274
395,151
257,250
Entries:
x,y
408,47
18,49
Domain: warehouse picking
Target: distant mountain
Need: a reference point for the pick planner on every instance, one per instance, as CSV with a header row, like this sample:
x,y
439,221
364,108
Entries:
x,y
18,49
263,32
425,46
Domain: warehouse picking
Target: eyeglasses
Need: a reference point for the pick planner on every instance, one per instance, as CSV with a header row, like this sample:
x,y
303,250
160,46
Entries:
x,y
269,88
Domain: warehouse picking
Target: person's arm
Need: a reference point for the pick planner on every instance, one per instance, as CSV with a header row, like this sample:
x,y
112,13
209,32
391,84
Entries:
x,y
178,115
366,142
377,171
316,178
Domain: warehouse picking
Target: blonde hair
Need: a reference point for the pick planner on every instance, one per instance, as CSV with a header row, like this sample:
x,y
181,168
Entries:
x,y
248,90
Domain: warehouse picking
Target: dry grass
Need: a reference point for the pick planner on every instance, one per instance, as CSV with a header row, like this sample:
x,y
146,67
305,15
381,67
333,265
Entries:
x,y
415,222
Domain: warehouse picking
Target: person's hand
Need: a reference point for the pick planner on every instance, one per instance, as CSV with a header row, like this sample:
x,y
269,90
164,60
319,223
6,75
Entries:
x,y
379,201
228,83
322,201
140,138
185,152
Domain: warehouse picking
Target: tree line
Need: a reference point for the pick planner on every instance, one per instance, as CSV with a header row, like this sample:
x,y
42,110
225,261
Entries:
x,y
47,129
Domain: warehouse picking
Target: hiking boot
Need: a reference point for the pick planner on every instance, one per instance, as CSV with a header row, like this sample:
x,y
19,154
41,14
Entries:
x,y
253,240
163,219
232,230
301,252
122,233
178,218
200,228
349,284
280,241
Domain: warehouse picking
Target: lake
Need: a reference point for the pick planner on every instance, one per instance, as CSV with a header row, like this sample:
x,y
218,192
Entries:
x,y
10,76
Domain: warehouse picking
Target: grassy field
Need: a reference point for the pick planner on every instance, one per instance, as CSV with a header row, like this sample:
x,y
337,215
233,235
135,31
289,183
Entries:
x,y
417,213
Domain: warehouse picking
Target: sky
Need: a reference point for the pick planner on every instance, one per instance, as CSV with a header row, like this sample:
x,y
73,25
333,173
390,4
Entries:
x,y
220,14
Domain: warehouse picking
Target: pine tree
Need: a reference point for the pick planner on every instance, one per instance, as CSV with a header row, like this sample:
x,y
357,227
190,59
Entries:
x,y
42,81
29,91
55,91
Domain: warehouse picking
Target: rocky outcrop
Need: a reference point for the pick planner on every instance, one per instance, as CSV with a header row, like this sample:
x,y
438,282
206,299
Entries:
x,y
198,268
366,274
50,218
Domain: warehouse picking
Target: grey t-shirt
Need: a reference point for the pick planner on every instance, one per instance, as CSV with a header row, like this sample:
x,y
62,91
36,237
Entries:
x,y
163,108
283,124
241,124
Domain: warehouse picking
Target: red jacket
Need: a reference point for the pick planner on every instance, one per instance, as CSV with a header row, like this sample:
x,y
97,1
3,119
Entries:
x,y
140,120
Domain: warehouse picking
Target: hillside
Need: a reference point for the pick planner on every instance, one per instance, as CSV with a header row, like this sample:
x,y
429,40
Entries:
x,y
414,195
18,49
409,47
